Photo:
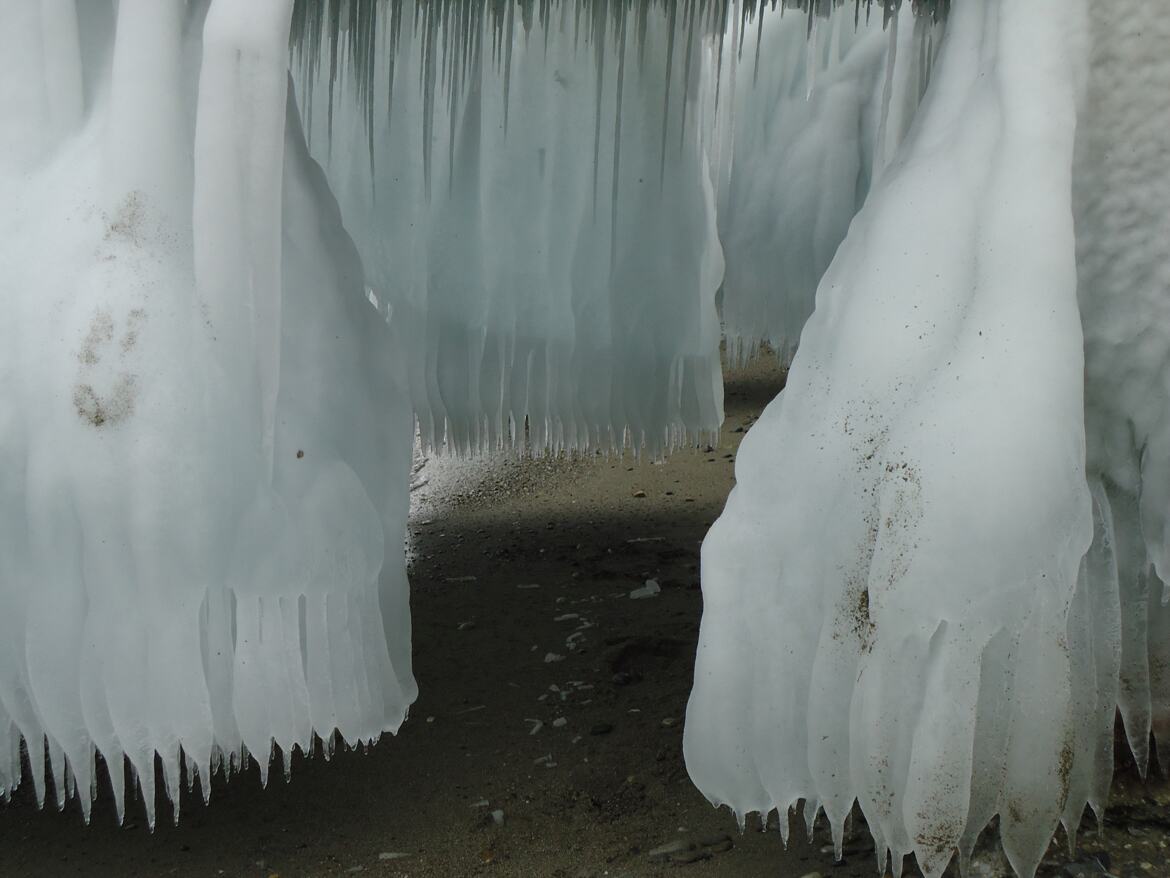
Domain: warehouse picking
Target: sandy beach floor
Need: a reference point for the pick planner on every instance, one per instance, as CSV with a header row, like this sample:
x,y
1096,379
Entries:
x,y
547,739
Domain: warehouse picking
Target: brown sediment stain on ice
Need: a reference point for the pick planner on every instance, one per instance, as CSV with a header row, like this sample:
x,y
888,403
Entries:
x,y
114,403
100,409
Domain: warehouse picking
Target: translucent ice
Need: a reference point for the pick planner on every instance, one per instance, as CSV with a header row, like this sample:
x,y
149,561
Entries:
x,y
541,219
887,594
206,446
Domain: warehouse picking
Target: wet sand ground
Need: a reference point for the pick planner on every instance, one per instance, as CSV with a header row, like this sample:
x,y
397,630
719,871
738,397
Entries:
x,y
529,557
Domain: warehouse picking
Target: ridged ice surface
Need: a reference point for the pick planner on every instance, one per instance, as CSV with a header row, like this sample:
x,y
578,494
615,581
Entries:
x,y
895,610
539,212
1122,192
820,109
206,450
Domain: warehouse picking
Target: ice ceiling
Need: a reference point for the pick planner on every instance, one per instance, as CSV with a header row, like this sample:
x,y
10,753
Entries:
x,y
234,277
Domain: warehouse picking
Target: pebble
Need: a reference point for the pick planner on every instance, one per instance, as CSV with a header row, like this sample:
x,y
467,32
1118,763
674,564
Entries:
x,y
639,494
649,590
663,851
560,722
392,855
718,843
498,817
550,657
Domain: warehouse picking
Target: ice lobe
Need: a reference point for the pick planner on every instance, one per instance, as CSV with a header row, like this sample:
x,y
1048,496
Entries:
x,y
207,444
555,258
887,600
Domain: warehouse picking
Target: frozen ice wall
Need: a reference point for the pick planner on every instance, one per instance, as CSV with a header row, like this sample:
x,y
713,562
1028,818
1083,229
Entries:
x,y
899,608
533,204
206,448
820,106
1122,200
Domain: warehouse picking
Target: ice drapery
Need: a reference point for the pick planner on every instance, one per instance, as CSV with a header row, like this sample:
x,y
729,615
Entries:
x,y
536,209
922,594
205,443
820,107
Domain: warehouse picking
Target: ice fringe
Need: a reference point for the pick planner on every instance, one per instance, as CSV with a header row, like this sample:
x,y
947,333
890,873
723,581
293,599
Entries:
x,y
206,444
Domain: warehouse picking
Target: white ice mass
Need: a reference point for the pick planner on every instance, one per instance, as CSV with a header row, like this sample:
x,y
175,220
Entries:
x,y
235,273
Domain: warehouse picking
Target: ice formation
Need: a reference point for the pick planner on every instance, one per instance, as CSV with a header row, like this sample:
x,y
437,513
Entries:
x,y
205,442
819,111
938,576
233,276
547,233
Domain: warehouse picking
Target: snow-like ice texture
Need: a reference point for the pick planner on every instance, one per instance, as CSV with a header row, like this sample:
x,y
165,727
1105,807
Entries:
x,y
1122,197
894,606
206,446
818,114
537,210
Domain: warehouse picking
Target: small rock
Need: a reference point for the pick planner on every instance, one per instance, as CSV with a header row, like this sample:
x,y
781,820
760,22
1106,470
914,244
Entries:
x,y
392,855
560,722
649,590
664,851
812,875
639,494
718,843
498,817
550,657
691,856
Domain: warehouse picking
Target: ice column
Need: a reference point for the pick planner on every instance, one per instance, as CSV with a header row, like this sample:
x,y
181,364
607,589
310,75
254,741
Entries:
x,y
887,593
205,423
